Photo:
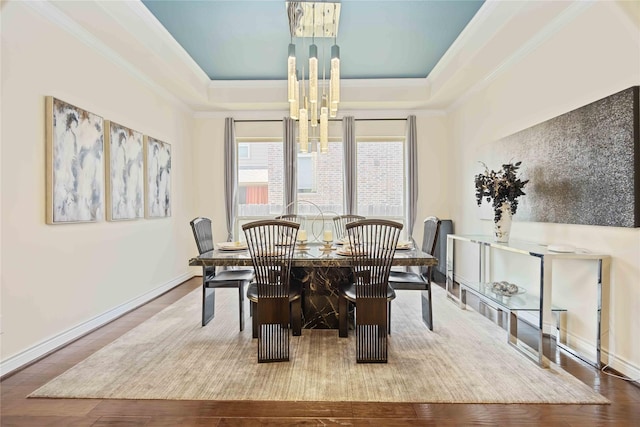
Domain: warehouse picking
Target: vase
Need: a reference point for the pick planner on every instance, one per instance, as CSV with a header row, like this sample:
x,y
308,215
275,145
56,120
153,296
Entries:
x,y
503,225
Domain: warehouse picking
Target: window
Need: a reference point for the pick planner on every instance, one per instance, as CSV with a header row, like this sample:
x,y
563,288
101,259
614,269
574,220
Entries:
x,y
380,174
244,151
380,180
321,181
307,173
260,178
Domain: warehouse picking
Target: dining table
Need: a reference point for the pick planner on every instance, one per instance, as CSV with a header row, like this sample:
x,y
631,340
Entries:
x,y
318,269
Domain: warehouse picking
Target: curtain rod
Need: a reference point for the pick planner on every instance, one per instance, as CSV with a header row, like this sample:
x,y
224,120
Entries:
x,y
331,120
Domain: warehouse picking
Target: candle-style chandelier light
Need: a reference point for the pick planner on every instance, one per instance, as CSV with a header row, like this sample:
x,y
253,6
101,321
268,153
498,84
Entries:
x,y
315,99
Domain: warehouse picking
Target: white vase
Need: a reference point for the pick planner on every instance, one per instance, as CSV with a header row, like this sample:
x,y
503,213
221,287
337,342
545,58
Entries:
x,y
503,226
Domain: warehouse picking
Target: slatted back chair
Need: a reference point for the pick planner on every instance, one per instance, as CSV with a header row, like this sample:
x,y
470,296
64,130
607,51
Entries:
x,y
340,222
429,240
211,279
271,245
373,246
401,280
298,219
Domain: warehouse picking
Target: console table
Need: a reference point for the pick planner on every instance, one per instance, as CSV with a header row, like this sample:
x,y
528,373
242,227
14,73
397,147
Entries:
x,y
527,302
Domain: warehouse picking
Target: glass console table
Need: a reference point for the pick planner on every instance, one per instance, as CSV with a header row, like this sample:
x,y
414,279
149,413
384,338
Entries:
x,y
527,302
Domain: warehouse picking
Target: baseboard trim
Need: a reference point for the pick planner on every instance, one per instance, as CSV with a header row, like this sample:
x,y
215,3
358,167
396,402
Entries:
x,y
40,350
623,366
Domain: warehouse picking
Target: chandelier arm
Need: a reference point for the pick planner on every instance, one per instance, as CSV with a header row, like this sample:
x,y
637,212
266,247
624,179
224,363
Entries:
x,y
310,109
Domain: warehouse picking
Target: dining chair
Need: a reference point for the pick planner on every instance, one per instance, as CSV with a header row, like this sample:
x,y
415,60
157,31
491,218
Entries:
x,y
276,304
212,279
298,219
340,221
373,246
421,281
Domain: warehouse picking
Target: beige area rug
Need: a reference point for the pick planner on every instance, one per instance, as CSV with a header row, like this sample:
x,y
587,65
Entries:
x,y
170,356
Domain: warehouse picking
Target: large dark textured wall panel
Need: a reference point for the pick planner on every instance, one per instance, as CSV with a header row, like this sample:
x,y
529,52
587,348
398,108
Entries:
x,y
583,166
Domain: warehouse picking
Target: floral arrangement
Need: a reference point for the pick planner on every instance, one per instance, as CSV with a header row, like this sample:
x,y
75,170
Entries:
x,y
500,187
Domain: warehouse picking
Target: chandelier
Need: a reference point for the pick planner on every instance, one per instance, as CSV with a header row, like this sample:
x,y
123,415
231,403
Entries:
x,y
311,100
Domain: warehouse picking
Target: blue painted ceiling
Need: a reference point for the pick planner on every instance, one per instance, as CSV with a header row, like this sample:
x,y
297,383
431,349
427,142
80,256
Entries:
x,y
248,40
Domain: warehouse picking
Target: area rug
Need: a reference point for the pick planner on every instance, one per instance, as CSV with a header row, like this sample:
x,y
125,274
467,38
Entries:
x,y
464,360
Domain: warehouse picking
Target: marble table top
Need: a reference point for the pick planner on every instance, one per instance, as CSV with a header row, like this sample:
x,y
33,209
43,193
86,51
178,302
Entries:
x,y
314,256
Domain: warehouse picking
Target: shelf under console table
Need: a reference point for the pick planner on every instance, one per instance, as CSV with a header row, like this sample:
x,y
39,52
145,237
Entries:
x,y
527,302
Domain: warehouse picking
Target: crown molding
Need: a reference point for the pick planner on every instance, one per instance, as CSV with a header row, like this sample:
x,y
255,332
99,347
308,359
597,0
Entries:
x,y
346,83
161,36
403,83
629,13
390,113
456,77
280,114
133,31
60,19
472,34
247,84
243,115
565,17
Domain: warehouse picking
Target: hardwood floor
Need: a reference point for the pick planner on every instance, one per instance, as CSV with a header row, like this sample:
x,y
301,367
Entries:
x,y
17,410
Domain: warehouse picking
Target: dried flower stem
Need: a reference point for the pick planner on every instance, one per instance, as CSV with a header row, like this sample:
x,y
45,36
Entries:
x,y
500,187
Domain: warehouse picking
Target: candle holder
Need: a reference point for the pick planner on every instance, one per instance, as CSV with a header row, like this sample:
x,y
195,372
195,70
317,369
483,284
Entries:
x,y
302,240
327,246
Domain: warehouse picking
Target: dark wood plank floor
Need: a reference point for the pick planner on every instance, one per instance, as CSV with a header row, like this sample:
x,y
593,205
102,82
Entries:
x,y
17,410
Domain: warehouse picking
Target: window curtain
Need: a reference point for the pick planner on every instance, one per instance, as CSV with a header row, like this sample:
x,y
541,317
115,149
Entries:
x,y
230,175
290,165
349,143
412,174
257,195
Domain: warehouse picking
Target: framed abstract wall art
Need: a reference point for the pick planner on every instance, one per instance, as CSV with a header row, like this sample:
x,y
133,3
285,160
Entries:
x,y
74,164
158,178
124,156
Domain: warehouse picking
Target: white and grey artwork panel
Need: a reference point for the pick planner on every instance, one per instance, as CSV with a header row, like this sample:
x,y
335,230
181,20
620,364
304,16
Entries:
x,y
583,165
75,153
158,178
126,173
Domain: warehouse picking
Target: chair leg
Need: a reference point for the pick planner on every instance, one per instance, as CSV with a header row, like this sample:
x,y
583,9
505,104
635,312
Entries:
x,y
343,317
296,317
389,317
208,304
254,320
427,308
372,322
273,317
241,305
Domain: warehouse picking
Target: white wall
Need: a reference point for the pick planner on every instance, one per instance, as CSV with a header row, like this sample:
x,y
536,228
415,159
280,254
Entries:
x,y
57,280
208,162
434,169
593,56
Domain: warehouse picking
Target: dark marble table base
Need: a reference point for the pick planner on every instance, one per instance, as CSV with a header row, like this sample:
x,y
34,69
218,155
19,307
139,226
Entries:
x,y
320,294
